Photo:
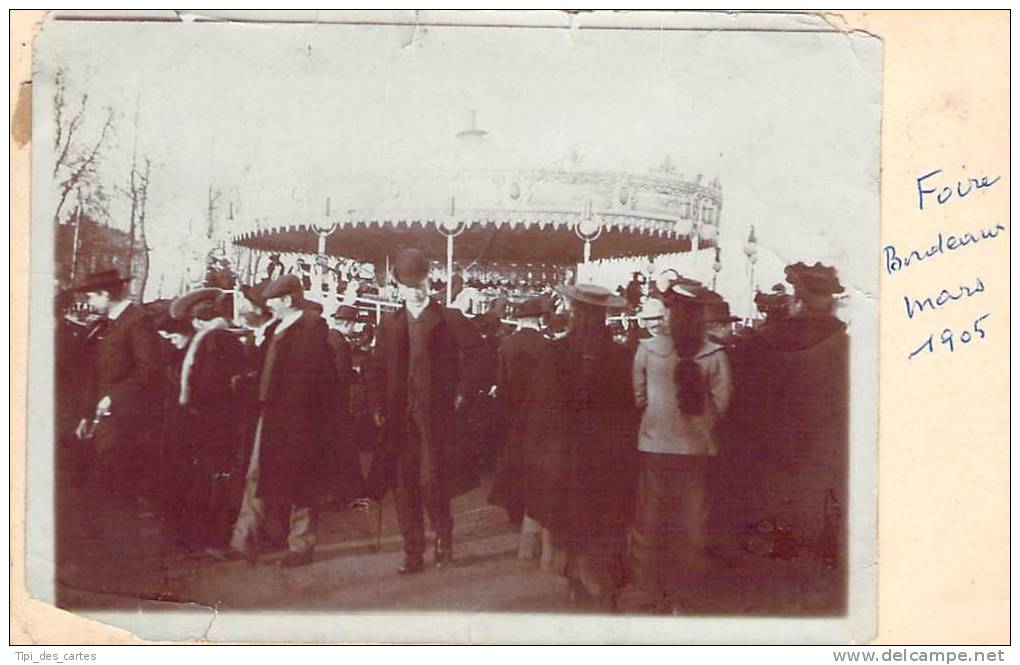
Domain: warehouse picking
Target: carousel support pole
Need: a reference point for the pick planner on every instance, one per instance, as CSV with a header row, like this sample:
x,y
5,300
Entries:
x,y
587,251
322,244
449,270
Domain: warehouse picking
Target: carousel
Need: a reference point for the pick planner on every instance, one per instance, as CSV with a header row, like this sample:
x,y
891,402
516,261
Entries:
x,y
518,228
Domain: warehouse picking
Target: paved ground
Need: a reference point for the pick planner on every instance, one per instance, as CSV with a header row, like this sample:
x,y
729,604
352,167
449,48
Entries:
x,y
351,574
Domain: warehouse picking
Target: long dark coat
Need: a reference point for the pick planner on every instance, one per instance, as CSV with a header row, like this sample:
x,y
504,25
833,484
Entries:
x,y
343,358
579,433
128,367
452,351
212,411
211,444
519,355
297,413
789,427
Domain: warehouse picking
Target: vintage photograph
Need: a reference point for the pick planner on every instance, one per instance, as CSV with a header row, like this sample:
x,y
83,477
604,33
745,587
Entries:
x,y
550,314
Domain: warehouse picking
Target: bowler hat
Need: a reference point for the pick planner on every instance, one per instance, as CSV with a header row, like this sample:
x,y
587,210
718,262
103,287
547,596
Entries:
x,y
410,266
285,285
101,281
200,303
591,294
345,313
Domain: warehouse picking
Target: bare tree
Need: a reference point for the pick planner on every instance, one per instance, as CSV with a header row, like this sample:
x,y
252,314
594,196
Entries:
x,y
137,193
76,162
212,206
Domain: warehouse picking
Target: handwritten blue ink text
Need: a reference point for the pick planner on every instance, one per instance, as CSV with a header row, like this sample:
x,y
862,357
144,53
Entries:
x,y
944,193
943,243
945,296
949,339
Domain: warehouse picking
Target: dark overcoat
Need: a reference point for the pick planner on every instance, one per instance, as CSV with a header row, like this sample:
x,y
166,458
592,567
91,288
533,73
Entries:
x,y
128,368
213,410
519,355
297,413
453,371
343,359
579,434
789,427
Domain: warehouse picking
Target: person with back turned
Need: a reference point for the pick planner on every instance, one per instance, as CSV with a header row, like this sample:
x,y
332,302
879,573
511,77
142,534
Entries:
x,y
419,374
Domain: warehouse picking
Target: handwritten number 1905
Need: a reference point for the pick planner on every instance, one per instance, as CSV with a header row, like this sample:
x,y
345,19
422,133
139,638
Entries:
x,y
949,339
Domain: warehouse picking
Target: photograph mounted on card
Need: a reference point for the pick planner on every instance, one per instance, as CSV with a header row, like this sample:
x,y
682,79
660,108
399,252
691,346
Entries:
x,y
559,328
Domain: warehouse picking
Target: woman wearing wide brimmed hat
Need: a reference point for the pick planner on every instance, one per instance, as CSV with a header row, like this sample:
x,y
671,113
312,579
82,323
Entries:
x,y
210,418
577,428
682,381
796,415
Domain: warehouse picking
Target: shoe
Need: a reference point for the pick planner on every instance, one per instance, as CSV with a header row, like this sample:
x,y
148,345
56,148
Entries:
x,y
230,554
444,552
411,565
295,559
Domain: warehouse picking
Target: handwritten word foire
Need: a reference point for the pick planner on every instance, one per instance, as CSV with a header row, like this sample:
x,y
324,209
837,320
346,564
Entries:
x,y
944,193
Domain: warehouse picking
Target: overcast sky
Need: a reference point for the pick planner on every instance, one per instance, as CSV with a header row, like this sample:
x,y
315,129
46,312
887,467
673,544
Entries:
x,y
789,121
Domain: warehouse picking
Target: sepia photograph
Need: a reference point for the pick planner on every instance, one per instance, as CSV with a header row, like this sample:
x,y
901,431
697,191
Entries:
x,y
501,317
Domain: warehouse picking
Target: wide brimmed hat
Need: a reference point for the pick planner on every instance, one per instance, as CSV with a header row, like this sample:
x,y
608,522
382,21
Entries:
x,y
692,292
200,303
100,281
285,285
345,313
817,281
591,294
410,266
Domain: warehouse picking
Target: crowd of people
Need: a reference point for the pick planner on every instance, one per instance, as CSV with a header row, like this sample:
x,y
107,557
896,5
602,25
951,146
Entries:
x,y
624,454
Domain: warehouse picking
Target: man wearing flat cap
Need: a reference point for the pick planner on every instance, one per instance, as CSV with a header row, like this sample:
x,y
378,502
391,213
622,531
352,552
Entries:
x,y
420,372
117,404
293,430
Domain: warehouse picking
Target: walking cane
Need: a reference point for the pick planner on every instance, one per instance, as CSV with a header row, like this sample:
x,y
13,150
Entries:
x,y
378,527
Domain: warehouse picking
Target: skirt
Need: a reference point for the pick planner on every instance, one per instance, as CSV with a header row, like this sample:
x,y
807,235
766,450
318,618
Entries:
x,y
668,542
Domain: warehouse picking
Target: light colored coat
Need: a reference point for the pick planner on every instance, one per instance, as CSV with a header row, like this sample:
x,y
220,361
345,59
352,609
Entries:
x,y
664,428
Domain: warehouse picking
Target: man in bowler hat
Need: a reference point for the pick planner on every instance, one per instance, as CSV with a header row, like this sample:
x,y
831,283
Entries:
x,y
117,402
421,370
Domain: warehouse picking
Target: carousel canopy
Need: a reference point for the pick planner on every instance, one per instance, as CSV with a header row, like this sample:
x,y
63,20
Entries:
x,y
541,216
